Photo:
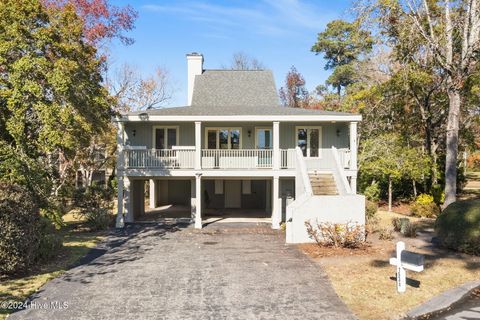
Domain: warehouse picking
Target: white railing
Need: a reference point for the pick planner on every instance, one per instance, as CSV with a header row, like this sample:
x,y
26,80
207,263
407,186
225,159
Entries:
x,y
160,158
339,174
237,158
287,158
302,180
344,157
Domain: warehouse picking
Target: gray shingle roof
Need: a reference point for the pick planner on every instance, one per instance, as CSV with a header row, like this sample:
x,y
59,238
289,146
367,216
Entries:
x,y
229,110
235,88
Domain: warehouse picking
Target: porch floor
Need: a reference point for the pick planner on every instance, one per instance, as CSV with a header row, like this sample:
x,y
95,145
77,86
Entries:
x,y
209,215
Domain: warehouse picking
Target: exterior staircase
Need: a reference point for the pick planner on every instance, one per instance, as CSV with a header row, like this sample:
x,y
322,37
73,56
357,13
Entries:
x,y
323,184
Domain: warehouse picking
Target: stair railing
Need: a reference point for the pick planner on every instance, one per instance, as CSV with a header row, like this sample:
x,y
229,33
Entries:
x,y
339,174
301,175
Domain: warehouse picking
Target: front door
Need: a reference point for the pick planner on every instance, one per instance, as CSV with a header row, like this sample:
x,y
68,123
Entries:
x,y
233,194
309,139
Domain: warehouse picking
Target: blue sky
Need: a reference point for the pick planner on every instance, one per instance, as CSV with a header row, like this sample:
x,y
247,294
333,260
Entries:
x,y
279,33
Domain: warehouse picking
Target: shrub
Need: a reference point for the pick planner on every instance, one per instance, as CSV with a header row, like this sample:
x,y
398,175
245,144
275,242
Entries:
x,y
349,235
372,192
385,234
438,194
371,209
458,226
424,199
25,236
405,227
94,203
429,210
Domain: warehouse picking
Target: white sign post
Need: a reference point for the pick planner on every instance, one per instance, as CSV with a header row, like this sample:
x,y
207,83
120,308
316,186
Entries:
x,y
405,260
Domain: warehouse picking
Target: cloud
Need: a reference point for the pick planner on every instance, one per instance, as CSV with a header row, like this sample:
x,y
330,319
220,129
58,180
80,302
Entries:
x,y
266,17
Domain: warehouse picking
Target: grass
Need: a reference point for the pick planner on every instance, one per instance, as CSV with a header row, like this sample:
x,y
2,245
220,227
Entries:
x,y
366,282
77,241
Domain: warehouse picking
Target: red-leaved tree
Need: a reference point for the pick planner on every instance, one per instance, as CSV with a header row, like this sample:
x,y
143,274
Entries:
x,y
102,21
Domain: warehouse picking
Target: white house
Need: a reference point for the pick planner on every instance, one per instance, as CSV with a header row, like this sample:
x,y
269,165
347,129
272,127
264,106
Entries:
x,y
233,147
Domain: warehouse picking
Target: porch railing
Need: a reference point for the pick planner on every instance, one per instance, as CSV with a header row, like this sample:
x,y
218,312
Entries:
x,y
237,158
160,158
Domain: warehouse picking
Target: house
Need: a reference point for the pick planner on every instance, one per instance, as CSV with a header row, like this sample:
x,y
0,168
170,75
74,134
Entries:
x,y
234,150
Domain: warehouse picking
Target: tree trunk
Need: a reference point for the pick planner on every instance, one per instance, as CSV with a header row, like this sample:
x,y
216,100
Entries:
x,y
414,188
452,146
389,194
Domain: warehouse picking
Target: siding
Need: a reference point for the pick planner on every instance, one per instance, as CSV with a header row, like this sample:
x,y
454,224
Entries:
x,y
143,135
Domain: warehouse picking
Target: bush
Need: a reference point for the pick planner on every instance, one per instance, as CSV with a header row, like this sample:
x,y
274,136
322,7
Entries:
x,y
25,237
372,192
95,203
458,226
371,209
438,194
349,235
385,234
405,227
424,199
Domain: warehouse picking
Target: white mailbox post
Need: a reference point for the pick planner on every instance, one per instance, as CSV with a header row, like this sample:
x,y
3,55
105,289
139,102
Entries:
x,y
406,260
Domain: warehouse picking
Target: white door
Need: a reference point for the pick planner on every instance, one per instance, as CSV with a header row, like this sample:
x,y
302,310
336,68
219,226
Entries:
x,y
233,193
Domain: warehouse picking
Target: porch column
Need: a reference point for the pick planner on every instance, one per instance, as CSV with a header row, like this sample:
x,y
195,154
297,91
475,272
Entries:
x,y
276,145
198,201
276,207
192,198
353,155
198,145
153,193
128,200
120,221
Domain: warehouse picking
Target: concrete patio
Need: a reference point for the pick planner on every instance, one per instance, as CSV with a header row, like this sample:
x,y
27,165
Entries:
x,y
172,271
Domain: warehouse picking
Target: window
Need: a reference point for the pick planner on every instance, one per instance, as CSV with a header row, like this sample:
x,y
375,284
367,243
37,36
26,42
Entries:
x,y
246,186
263,138
165,137
218,186
224,138
309,140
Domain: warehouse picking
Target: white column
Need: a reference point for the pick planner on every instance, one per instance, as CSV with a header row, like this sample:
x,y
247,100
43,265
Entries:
x,y
276,145
353,155
198,145
276,207
128,200
120,223
153,193
198,201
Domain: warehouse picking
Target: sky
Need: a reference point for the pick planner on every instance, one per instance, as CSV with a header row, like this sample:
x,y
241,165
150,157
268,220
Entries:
x,y
279,33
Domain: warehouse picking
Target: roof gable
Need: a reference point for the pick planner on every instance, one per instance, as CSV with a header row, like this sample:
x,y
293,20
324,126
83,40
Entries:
x,y
235,88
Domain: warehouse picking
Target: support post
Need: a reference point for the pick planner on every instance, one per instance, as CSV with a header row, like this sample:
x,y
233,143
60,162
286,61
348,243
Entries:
x,y
120,221
276,145
128,200
276,207
353,155
198,145
192,198
153,193
401,273
198,201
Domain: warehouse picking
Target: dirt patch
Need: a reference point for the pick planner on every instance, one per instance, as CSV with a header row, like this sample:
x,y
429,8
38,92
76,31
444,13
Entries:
x,y
400,207
315,251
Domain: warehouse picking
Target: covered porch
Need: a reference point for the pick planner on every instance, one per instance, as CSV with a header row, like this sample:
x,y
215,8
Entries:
x,y
231,199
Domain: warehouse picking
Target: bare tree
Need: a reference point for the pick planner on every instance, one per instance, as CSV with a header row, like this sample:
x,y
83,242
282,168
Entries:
x,y
242,61
132,92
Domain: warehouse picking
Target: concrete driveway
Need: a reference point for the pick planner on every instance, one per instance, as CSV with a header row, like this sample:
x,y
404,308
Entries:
x,y
175,272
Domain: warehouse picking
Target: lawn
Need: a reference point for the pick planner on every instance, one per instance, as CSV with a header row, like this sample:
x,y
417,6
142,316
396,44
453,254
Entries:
x,y
77,242
366,282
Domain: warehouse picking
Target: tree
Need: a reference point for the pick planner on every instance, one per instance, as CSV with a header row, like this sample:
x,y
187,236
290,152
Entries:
x,y
132,92
242,61
388,157
450,33
101,20
52,100
342,43
294,94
